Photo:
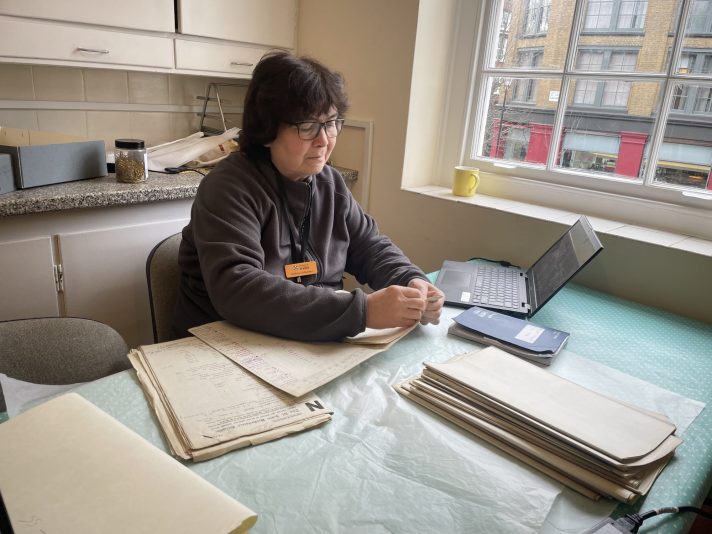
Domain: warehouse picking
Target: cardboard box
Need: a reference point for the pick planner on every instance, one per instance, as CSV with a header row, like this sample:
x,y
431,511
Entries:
x,y
43,158
7,183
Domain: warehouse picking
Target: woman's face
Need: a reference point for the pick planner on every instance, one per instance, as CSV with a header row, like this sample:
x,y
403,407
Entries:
x,y
297,158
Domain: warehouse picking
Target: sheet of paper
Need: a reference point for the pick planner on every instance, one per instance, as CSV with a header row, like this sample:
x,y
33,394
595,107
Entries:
x,y
380,336
66,466
20,395
210,400
292,366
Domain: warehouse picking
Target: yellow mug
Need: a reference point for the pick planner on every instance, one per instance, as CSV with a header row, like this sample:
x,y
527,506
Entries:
x,y
465,181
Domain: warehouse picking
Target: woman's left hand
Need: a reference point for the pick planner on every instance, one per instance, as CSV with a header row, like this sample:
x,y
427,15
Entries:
x,y
434,300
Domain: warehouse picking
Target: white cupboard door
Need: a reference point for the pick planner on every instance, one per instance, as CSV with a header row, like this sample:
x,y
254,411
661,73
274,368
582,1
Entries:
x,y
27,283
105,276
156,15
38,40
265,22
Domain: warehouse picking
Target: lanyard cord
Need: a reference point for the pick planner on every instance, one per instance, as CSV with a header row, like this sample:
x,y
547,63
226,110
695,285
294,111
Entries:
x,y
297,257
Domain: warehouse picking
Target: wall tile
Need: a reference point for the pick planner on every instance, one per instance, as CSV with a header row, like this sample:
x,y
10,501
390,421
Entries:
x,y
183,124
62,121
106,85
109,126
63,84
148,88
16,82
184,89
154,128
19,118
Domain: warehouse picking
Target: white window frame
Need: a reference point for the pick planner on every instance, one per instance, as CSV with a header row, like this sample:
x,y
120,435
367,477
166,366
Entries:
x,y
668,208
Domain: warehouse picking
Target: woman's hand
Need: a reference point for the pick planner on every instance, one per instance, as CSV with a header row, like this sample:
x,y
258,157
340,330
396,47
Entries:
x,y
394,306
434,300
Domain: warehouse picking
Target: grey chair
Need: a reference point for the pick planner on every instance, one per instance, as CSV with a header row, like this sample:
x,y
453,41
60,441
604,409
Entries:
x,y
59,350
163,276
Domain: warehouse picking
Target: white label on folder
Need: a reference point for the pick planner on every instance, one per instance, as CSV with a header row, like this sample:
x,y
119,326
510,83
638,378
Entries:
x,y
465,296
529,334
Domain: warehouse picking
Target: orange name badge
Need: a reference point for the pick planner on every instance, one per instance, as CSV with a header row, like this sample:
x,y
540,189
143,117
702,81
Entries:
x,y
293,270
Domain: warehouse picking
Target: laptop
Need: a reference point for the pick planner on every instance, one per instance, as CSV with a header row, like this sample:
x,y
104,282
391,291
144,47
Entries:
x,y
514,291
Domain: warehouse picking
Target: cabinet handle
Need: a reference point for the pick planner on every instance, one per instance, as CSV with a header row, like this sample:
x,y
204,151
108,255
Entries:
x,y
241,64
93,50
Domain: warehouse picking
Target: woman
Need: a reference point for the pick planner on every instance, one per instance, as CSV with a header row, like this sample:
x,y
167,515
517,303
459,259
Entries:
x,y
273,228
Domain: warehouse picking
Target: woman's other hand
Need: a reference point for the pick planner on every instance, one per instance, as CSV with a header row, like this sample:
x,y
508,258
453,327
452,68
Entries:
x,y
434,300
395,306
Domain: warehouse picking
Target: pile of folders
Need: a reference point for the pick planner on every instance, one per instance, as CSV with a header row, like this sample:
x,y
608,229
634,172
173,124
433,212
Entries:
x,y
594,444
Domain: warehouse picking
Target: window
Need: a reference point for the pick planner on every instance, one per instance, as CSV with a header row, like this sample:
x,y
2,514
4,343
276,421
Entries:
x,y
701,18
615,15
609,93
524,90
622,162
593,111
687,98
536,17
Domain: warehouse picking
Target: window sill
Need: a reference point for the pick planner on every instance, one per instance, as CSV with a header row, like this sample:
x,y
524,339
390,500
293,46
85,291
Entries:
x,y
603,226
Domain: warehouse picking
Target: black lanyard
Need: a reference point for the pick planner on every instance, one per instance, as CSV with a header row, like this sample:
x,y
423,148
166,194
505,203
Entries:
x,y
297,256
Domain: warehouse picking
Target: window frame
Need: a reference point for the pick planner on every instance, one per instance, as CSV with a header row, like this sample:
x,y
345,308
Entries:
x,y
613,25
458,97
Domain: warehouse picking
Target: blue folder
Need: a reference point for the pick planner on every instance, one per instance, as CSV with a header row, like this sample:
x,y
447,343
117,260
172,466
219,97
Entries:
x,y
525,335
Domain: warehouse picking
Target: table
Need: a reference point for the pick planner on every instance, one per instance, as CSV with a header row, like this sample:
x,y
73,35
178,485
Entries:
x,y
384,464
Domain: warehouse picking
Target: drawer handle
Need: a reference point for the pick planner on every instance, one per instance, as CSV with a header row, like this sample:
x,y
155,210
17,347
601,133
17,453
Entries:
x,y
241,64
93,50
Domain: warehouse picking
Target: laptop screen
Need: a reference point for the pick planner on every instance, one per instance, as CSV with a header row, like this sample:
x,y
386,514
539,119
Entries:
x,y
561,262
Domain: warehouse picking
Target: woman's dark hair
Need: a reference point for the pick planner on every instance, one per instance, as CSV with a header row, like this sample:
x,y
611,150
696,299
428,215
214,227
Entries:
x,y
286,88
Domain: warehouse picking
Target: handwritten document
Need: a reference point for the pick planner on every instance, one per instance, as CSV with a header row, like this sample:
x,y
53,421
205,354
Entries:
x,y
293,366
207,405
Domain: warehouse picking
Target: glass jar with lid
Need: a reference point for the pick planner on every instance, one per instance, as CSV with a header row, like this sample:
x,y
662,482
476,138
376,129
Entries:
x,y
130,160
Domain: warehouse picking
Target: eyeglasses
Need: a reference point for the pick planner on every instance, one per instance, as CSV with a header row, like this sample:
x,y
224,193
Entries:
x,y
309,130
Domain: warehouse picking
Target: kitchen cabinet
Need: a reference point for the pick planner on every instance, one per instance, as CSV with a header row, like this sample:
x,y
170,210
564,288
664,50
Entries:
x,y
155,15
270,23
221,37
27,284
86,263
36,41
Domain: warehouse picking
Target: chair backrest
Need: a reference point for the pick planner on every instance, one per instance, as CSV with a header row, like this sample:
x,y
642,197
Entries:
x,y
60,350
163,276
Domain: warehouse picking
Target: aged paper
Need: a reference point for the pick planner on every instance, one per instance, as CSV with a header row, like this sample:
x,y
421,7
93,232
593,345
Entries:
x,y
70,467
380,336
617,430
292,366
209,405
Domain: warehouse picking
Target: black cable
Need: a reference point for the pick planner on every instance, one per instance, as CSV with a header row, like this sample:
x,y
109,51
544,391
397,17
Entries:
x,y
632,522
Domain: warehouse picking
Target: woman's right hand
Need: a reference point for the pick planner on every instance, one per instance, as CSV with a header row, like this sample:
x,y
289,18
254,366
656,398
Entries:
x,y
394,306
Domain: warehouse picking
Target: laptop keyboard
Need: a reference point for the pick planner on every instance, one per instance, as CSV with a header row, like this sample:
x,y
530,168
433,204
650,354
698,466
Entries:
x,y
496,286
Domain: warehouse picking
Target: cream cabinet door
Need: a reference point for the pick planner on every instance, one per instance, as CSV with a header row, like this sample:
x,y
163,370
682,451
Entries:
x,y
264,22
27,283
156,15
38,41
105,276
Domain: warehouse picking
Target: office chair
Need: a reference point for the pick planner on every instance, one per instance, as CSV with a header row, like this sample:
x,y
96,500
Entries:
x,y
59,350
163,276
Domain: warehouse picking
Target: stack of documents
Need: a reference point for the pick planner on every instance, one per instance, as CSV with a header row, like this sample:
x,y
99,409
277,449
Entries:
x,y
229,387
591,443
535,343
207,405
66,466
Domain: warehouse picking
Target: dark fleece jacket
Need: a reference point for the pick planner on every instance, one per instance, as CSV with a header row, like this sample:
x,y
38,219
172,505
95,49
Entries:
x,y
237,243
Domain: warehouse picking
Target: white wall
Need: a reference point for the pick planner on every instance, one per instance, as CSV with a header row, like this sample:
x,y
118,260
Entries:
x,y
372,43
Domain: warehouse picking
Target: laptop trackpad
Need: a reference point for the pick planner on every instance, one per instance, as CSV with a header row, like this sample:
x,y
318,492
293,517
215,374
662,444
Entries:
x,y
459,279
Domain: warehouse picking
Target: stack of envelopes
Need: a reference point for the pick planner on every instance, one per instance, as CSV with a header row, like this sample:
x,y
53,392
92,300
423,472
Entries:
x,y
594,444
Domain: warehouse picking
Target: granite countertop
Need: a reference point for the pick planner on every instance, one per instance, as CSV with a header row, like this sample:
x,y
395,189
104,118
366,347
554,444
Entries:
x,y
107,191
